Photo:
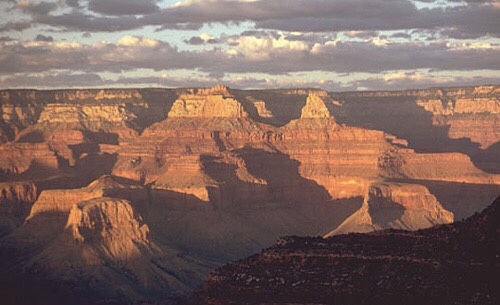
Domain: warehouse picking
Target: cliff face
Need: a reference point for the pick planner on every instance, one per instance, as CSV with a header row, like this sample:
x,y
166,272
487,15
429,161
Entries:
x,y
108,177
448,264
15,202
399,206
210,103
110,110
463,120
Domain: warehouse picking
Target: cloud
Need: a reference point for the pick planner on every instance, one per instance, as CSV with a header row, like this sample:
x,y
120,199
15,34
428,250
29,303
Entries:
x,y
474,19
195,40
202,39
60,80
262,48
41,37
123,7
128,53
419,80
247,54
386,81
72,3
36,8
361,34
15,26
333,15
79,21
278,38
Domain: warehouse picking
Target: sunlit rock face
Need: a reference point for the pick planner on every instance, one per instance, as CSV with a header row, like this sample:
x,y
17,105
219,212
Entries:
x,y
155,187
398,206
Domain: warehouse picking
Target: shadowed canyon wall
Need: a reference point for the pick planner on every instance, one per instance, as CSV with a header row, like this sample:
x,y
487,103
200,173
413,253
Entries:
x,y
135,195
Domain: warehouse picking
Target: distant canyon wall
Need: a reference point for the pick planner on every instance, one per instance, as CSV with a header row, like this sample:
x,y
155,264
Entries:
x,y
182,180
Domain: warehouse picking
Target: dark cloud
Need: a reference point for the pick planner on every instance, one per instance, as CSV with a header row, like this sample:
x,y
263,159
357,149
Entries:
x,y
347,57
78,21
199,11
129,53
60,80
273,57
195,41
73,3
203,39
287,36
124,7
41,37
478,18
401,35
333,15
36,8
18,26
420,81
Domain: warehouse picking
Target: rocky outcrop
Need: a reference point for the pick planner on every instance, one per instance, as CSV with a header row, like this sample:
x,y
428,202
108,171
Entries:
x,y
215,102
107,242
461,106
31,159
447,264
314,108
17,192
473,118
399,206
261,108
62,201
16,199
463,120
14,118
107,110
221,173
100,248
184,175
111,224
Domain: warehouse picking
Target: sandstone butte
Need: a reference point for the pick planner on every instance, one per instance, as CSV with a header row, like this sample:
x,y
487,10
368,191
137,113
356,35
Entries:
x,y
135,195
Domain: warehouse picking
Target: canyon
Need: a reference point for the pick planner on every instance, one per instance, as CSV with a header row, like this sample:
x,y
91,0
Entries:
x,y
447,264
134,195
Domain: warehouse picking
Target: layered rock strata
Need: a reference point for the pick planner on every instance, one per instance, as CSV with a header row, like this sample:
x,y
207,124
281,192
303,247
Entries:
x,y
104,178
447,264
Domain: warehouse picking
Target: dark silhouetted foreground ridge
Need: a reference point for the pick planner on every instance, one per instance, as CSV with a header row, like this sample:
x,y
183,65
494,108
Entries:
x,y
447,264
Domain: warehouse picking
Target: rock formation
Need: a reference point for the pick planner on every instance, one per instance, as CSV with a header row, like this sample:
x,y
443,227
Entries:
x,y
399,206
207,103
447,264
314,108
435,120
183,180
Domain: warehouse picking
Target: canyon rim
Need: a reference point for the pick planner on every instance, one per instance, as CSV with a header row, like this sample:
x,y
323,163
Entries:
x,y
249,152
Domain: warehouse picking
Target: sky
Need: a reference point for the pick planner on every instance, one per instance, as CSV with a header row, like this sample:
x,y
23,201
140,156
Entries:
x,y
337,45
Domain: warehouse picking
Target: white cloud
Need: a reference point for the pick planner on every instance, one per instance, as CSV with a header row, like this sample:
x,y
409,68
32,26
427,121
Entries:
x,y
132,41
262,48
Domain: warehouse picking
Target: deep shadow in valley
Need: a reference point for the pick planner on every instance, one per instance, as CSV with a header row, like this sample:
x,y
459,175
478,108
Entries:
x,y
159,103
402,117
245,214
284,107
285,184
462,199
